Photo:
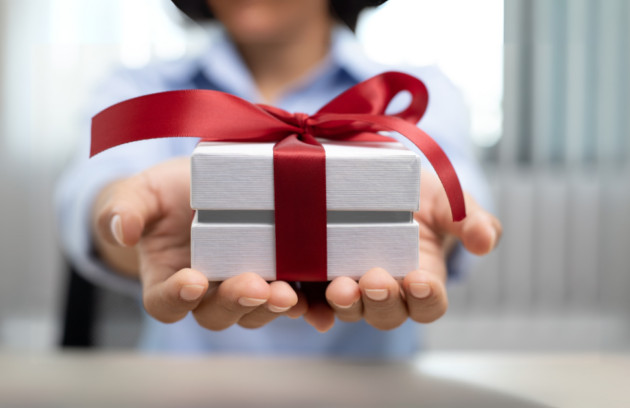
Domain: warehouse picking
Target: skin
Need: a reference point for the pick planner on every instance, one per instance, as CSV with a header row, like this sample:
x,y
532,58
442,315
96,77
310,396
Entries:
x,y
141,225
279,40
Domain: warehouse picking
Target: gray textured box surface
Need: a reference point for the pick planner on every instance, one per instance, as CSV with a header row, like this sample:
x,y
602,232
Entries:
x,y
359,176
221,251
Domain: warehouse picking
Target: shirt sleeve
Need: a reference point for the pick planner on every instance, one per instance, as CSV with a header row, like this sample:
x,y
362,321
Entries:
x,y
85,178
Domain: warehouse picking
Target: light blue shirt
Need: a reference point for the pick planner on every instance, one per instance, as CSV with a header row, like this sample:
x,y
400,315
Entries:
x,y
222,69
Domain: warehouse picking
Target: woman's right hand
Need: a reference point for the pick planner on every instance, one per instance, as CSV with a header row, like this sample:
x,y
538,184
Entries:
x,y
142,229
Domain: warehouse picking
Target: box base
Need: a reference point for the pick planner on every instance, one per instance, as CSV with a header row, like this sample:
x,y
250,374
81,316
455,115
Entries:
x,y
221,251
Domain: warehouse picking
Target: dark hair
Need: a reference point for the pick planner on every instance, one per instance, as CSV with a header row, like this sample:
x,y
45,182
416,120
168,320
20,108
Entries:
x,y
345,10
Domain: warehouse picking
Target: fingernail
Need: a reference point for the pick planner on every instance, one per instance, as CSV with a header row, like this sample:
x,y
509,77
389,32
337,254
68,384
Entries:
x,y
116,227
493,237
277,309
191,292
250,302
342,306
377,294
420,290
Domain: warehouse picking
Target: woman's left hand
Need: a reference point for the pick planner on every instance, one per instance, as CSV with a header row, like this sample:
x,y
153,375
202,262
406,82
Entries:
x,y
386,303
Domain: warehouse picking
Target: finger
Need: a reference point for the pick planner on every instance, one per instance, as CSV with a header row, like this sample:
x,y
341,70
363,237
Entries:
x,y
124,209
319,314
281,300
170,300
300,307
480,231
231,300
426,296
383,306
344,296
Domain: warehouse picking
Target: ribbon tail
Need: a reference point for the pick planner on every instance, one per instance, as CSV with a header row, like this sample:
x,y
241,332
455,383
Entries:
x,y
436,156
210,115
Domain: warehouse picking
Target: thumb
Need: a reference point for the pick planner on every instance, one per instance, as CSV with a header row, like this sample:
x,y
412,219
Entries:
x,y
124,208
480,231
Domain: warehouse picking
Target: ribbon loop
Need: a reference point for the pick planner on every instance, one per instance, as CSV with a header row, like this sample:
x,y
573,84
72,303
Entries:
x,y
374,95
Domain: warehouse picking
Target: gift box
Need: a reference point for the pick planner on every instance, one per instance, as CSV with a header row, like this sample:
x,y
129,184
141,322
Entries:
x,y
292,196
372,190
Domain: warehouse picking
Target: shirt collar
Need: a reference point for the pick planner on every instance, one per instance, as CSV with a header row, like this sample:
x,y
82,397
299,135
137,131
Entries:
x,y
222,64
349,55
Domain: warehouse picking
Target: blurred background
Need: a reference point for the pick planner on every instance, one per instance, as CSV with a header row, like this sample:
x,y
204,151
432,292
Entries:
x,y
547,83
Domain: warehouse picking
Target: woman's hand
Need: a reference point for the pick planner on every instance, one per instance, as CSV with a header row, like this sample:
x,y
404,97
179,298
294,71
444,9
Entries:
x,y
142,228
386,303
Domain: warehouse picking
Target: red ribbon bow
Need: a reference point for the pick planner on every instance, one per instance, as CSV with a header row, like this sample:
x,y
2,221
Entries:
x,y
299,159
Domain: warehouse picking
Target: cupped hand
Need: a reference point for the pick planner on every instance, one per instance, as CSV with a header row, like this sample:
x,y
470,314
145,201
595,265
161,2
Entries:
x,y
386,303
149,215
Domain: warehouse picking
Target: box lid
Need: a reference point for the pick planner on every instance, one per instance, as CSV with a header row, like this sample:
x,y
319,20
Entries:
x,y
360,176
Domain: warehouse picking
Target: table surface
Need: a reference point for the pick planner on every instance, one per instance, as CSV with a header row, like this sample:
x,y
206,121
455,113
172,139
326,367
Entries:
x,y
106,379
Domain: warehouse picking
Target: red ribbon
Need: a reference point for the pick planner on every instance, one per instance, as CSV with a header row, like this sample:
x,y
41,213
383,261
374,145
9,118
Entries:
x,y
299,159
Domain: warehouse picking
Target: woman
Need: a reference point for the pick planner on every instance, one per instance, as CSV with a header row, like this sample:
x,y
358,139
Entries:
x,y
125,214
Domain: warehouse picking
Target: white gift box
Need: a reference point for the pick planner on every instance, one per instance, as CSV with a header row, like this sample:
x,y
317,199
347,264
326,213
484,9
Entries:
x,y
372,190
